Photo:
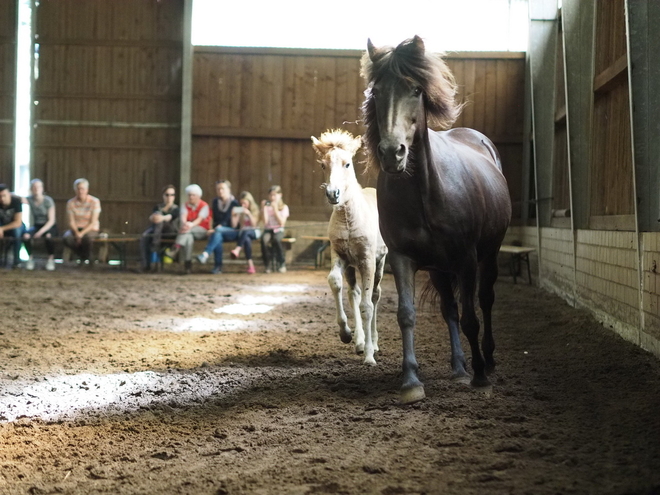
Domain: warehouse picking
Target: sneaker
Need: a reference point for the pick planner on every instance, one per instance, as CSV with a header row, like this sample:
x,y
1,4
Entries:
x,y
203,258
50,265
171,252
282,269
29,265
188,267
216,270
251,269
235,252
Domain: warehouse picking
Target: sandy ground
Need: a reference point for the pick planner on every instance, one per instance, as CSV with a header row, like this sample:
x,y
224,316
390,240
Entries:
x,y
114,382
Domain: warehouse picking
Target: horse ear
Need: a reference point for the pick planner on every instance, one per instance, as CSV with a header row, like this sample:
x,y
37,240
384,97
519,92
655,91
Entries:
x,y
419,44
371,49
317,145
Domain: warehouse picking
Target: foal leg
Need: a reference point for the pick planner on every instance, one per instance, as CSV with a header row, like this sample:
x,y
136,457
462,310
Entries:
x,y
470,322
354,296
367,269
335,281
375,298
488,276
404,270
443,284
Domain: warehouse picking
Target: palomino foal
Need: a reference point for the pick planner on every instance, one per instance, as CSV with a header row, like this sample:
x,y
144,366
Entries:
x,y
356,243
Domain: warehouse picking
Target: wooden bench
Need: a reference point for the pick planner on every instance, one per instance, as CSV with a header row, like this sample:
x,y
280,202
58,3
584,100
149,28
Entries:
x,y
322,242
287,244
518,254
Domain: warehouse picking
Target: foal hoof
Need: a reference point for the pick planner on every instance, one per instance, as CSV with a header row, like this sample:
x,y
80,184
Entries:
x,y
370,361
412,395
345,336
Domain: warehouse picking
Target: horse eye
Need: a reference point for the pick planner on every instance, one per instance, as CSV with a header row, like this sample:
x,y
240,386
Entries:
x,y
347,165
417,91
323,166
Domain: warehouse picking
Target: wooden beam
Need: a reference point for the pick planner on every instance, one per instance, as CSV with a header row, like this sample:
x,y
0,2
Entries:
x,y
322,52
242,132
613,76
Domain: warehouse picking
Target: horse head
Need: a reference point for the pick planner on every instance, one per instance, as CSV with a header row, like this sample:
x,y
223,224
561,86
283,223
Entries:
x,y
407,87
335,150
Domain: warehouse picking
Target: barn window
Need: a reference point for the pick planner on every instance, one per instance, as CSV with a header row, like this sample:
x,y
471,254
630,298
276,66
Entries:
x,y
469,25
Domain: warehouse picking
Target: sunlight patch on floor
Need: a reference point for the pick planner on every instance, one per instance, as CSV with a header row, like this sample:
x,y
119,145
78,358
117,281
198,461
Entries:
x,y
284,288
196,324
67,397
243,309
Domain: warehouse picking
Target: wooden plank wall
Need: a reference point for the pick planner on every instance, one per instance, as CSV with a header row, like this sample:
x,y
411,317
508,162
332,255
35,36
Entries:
x,y
255,109
7,89
109,103
560,173
611,170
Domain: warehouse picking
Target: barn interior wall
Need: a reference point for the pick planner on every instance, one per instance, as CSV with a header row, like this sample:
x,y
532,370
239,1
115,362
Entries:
x,y
604,258
109,104
7,89
254,111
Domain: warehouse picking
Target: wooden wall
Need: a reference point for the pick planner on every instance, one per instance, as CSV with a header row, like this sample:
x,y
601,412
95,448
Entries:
x,y
611,170
255,109
109,103
7,89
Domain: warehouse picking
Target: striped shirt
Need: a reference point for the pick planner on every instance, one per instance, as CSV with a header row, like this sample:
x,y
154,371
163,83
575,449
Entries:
x,y
82,211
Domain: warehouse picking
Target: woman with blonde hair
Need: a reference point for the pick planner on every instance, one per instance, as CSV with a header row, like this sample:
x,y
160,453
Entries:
x,y
245,218
274,213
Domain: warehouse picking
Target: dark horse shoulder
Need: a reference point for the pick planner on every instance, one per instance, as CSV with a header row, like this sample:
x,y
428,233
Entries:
x,y
473,139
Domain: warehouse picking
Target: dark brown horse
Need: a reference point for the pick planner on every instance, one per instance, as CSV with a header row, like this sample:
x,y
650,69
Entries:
x,y
443,202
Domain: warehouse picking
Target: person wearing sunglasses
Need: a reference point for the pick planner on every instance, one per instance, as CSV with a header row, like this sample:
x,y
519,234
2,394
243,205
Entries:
x,y
163,223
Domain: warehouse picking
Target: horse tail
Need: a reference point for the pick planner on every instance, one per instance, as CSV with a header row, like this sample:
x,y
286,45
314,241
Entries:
x,y
493,152
430,294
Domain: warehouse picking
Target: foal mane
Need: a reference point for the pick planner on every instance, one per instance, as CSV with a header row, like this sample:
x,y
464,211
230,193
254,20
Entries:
x,y
411,62
336,138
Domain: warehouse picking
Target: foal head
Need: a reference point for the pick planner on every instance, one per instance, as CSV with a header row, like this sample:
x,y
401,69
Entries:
x,y
335,150
406,87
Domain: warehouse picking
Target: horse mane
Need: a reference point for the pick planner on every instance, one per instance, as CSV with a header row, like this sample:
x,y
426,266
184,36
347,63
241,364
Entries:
x,y
336,138
410,61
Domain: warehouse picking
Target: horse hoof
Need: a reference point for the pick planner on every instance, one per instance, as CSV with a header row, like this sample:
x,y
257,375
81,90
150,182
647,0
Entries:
x,y
359,348
412,395
345,336
461,378
481,383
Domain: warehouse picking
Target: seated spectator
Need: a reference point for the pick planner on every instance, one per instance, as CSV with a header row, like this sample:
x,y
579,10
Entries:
x,y
195,220
11,222
83,213
164,219
245,217
223,231
42,213
274,213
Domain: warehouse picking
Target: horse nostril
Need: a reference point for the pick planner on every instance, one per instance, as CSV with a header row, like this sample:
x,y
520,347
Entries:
x,y
401,152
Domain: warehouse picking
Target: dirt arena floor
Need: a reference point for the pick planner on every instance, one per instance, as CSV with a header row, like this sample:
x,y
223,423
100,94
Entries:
x,y
118,383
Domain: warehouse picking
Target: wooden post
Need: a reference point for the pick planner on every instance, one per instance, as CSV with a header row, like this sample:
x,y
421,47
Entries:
x,y
186,98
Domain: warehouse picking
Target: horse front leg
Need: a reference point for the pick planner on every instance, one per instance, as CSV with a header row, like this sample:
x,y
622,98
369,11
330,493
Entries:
x,y
404,270
367,269
487,279
354,295
443,284
336,283
470,322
